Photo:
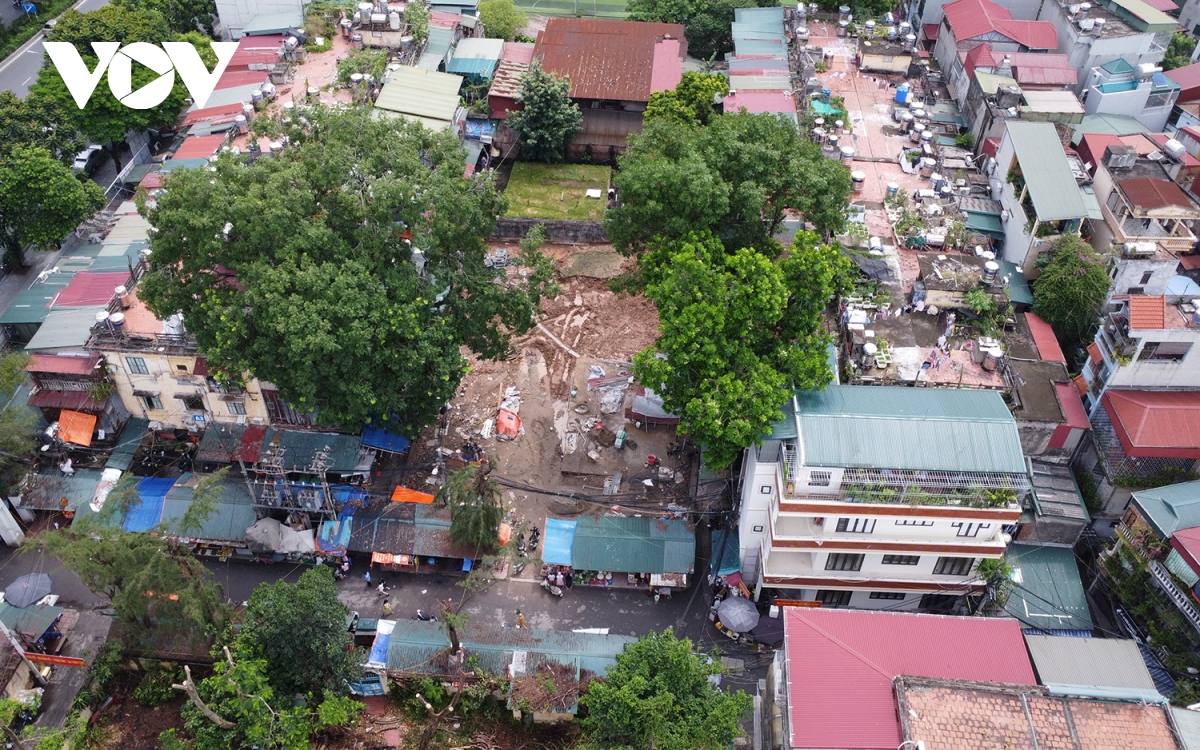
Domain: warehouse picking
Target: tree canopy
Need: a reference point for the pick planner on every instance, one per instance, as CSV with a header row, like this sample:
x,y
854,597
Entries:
x,y
1179,51
299,631
105,120
736,176
181,16
1071,286
692,101
738,333
41,201
658,696
707,23
301,269
38,122
549,120
475,510
501,18
18,424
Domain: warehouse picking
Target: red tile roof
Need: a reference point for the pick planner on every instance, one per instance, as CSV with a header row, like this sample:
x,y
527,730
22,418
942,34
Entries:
x,y
1150,193
1187,543
1093,350
979,57
1081,385
199,147
973,18
520,52
841,664
931,31
88,289
1147,313
1072,407
1190,262
1164,424
50,363
608,59
1042,75
1044,339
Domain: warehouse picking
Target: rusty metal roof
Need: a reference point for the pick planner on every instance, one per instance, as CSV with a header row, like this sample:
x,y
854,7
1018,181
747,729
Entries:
x,y
605,59
1148,193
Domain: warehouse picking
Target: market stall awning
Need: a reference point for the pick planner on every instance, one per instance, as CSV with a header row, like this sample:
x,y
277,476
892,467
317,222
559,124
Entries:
x,y
76,427
148,512
557,541
405,495
381,439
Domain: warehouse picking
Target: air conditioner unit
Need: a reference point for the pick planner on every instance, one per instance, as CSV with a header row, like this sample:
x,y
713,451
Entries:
x,y
241,419
258,421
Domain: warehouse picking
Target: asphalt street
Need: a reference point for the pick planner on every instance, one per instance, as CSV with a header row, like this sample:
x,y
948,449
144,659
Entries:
x,y
19,70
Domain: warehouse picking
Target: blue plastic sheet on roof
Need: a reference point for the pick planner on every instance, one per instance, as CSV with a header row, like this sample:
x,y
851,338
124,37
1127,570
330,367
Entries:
x,y
377,437
152,494
335,535
379,648
558,541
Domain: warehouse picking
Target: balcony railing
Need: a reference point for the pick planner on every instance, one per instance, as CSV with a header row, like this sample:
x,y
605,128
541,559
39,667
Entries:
x,y
896,487
106,339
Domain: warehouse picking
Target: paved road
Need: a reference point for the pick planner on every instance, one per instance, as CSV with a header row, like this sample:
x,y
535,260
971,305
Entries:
x,y
19,70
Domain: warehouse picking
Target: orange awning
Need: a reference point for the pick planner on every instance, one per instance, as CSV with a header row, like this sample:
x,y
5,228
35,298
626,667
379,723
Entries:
x,y
405,495
386,558
76,427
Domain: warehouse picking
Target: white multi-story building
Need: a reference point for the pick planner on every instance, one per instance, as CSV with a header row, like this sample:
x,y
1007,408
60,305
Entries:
x,y
1092,34
882,497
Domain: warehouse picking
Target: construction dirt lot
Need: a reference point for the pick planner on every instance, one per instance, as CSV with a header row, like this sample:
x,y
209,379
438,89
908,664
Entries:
x,y
584,346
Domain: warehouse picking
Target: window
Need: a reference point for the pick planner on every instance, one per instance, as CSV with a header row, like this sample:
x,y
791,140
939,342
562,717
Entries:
x,y
1165,351
856,525
844,561
181,368
237,407
820,478
1146,278
137,365
1136,290
192,402
938,603
953,566
896,596
758,529
970,529
764,490
914,522
832,598
152,403
901,559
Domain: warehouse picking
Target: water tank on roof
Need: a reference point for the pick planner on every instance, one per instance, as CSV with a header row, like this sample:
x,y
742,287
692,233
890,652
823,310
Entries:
x,y
394,21
1174,148
1146,70
291,42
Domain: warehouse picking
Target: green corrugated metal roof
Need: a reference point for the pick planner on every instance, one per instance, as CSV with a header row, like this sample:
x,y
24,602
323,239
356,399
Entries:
x,y
754,15
988,224
131,438
30,306
1106,125
1091,203
78,488
634,545
1047,174
784,429
1018,286
471,66
232,513
32,621
67,328
1047,592
1168,509
420,94
1188,723
1092,662
894,427
273,23
301,447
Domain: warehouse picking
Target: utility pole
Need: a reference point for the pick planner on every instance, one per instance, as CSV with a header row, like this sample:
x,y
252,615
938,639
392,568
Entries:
x,y
16,644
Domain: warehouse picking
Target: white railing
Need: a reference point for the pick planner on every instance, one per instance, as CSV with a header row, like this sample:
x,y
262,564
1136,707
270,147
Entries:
x,y
1181,600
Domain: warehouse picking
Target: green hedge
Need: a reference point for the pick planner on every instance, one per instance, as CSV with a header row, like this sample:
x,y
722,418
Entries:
x,y
24,28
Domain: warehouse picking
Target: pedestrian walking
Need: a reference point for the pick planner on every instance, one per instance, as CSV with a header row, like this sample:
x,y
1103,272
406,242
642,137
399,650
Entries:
x,y
382,589
387,608
367,578
520,619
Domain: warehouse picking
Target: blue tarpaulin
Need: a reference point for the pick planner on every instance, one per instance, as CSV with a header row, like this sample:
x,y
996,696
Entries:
x,y
335,535
379,648
152,494
558,541
377,437
725,556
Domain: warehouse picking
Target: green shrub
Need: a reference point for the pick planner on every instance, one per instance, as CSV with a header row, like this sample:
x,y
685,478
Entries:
x,y
155,688
1090,492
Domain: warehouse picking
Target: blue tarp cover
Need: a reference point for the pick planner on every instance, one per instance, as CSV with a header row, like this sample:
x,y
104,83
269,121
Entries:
x,y
379,648
377,437
152,493
558,541
334,536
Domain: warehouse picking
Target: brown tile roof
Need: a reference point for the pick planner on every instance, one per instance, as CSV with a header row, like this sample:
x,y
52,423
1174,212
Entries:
x,y
605,59
1093,350
1149,193
1147,313
955,714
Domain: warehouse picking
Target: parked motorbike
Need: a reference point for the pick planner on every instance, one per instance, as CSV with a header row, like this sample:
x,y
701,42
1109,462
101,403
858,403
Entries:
x,y
517,569
554,590
425,616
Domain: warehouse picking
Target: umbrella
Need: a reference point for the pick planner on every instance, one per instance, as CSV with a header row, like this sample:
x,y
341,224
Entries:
x,y
738,614
27,589
768,631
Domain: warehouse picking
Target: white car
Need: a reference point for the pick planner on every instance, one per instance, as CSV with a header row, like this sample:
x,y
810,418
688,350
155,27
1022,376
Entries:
x,y
85,160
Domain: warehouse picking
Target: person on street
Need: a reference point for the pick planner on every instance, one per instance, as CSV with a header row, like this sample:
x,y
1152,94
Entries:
x,y
387,608
382,589
520,619
367,578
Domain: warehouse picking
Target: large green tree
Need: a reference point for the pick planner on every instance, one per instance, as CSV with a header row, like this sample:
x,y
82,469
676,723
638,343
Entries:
x,y
501,18
1179,51
18,424
35,122
737,176
738,333
707,23
658,696
475,510
41,201
299,631
1071,286
549,120
301,269
182,16
105,120
692,101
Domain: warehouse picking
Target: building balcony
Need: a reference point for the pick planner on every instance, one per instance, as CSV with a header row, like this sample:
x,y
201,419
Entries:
x,y
1171,234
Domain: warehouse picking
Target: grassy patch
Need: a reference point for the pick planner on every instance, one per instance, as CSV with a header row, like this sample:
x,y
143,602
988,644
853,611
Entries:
x,y
556,191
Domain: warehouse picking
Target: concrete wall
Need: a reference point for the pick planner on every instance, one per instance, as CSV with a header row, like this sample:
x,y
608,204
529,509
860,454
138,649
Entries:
x,y
1189,16
556,231
235,14
1161,374
1130,272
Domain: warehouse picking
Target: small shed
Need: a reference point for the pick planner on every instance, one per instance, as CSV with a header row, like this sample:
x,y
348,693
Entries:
x,y
476,58
1087,664
429,97
1047,594
634,545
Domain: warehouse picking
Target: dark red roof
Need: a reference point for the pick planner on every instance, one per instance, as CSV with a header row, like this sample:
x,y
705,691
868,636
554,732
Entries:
x,y
72,400
199,147
1072,407
1188,78
1164,424
973,18
1150,193
979,57
1190,262
49,363
250,449
90,289
1187,543
518,52
1044,339
608,59
231,79
224,113
841,664
931,31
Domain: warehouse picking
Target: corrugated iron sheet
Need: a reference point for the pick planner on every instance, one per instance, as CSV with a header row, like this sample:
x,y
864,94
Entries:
x,y
1047,592
1047,174
604,59
634,545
